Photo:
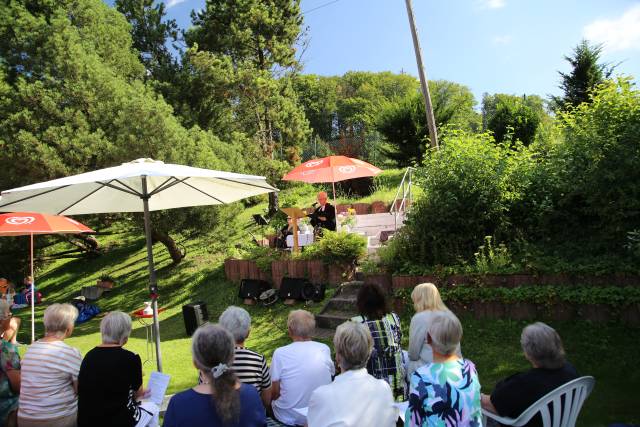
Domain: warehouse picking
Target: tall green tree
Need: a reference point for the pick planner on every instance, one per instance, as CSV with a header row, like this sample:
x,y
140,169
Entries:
x,y
511,117
73,98
262,31
404,125
151,31
586,73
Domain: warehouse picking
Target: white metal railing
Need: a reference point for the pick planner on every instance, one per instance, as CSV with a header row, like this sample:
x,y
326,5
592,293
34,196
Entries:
x,y
404,194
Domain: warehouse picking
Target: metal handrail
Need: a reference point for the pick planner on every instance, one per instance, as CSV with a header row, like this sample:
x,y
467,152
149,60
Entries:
x,y
405,186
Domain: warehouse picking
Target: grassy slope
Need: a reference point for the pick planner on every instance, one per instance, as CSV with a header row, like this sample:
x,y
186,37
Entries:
x,y
608,352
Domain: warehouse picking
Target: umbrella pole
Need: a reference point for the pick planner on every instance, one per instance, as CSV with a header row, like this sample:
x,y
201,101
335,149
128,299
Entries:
x,y
153,286
335,205
33,297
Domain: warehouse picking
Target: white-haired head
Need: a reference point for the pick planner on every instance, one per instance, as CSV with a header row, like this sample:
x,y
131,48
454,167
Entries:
x,y
301,324
542,346
59,319
445,332
237,321
353,344
115,328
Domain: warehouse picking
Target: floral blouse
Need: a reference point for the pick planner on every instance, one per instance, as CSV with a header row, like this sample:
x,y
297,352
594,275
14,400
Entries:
x,y
445,395
9,360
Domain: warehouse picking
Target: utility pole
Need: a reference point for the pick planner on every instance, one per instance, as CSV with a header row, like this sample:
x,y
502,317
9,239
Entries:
x,y
431,122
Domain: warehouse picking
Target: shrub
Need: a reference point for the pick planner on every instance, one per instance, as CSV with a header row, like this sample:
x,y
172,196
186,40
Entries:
x,y
337,248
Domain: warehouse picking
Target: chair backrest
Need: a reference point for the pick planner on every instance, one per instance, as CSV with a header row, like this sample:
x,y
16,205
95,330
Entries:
x,y
565,402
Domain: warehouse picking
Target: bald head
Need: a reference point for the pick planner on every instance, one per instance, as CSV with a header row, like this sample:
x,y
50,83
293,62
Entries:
x,y
322,197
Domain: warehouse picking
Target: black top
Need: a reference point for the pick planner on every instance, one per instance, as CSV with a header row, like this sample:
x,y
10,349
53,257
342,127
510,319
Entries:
x,y
108,380
513,395
329,212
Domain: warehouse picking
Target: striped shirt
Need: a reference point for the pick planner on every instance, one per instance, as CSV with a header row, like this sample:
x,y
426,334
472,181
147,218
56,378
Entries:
x,y
251,368
46,391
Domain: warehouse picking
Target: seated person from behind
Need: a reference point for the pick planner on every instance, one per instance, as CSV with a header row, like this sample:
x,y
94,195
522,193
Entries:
x,y
324,216
287,230
447,391
298,369
354,398
220,400
110,380
10,368
543,348
249,366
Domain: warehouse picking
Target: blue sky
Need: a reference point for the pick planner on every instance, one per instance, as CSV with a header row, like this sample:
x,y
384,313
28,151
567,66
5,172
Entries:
x,y
507,46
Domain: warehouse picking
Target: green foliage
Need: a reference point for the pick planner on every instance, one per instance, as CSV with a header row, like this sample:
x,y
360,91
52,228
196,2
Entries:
x,y
513,118
263,256
337,248
404,124
586,74
491,258
262,31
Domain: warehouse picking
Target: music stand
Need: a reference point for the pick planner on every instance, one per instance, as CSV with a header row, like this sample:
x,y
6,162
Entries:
x,y
295,213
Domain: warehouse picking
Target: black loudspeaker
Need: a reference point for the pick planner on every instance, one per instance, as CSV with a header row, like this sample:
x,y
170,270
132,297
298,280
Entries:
x,y
194,314
250,288
315,293
291,288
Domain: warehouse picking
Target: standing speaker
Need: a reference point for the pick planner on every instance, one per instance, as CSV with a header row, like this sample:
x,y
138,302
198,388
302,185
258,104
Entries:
x,y
194,314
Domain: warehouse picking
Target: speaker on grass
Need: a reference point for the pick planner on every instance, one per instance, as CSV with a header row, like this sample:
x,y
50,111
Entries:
x,y
194,314
291,288
250,288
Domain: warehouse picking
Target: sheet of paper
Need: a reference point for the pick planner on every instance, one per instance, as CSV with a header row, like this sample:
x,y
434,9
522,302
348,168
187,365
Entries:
x,y
157,387
302,411
402,407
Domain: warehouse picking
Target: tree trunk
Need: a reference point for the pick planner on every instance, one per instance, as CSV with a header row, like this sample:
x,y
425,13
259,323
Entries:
x,y
172,247
273,204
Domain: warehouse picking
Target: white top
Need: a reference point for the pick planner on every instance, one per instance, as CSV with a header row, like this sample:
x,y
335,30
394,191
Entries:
x,y
420,352
301,367
46,390
355,398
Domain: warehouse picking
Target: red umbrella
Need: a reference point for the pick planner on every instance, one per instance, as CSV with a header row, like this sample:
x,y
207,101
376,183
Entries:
x,y
331,169
30,223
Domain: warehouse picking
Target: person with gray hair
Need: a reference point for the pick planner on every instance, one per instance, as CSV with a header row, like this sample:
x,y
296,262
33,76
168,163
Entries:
x,y
354,398
298,369
220,400
447,390
543,348
250,367
49,380
110,381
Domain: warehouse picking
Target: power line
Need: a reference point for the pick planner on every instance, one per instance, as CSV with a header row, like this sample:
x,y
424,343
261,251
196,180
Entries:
x,y
321,6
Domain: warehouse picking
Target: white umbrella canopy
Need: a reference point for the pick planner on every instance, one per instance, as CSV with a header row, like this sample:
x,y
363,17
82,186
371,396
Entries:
x,y
142,185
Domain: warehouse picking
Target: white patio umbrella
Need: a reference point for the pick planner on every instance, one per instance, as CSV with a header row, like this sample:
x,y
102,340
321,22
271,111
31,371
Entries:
x,y
142,185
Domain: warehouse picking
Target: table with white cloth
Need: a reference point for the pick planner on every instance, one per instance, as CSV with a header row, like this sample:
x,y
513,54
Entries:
x,y
304,239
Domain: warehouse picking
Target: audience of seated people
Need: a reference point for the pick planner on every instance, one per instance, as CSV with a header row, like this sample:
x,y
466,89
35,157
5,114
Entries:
x,y
543,348
9,366
343,402
446,391
49,380
427,304
110,381
220,400
298,369
386,361
249,366
53,386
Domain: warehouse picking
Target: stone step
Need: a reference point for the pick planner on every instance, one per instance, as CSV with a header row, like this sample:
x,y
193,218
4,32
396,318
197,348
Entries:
x,y
373,220
322,333
341,303
332,319
349,289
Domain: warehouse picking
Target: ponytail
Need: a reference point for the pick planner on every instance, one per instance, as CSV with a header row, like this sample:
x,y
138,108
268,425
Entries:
x,y
226,399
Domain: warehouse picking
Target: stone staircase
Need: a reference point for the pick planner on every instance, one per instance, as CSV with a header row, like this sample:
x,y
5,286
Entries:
x,y
373,225
338,309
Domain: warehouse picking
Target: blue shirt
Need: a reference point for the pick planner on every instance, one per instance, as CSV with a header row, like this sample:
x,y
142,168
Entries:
x,y
192,409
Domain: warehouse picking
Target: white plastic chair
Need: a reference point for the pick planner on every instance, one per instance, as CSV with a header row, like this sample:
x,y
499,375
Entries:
x,y
573,393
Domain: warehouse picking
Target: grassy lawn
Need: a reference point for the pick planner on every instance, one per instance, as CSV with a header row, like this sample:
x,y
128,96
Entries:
x,y
608,352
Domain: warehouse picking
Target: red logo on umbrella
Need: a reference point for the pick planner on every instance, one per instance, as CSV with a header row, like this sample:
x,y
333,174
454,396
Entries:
x,y
19,220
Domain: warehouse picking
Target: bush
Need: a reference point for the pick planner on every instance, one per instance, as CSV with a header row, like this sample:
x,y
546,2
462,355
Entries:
x,y
337,248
